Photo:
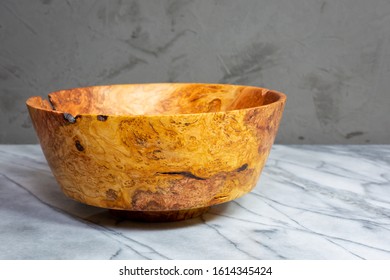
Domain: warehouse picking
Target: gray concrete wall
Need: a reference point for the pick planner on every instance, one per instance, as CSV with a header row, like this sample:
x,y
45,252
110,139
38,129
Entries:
x,y
332,58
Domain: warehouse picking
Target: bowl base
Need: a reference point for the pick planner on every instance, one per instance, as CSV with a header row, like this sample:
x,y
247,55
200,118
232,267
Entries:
x,y
159,216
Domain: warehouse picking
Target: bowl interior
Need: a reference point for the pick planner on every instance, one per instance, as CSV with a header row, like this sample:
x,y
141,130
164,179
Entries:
x,y
155,99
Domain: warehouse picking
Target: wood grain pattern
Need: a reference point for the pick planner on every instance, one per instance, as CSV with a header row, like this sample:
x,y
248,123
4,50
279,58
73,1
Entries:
x,y
157,147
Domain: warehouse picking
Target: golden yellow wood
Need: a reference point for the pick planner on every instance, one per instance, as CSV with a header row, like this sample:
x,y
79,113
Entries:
x,y
157,148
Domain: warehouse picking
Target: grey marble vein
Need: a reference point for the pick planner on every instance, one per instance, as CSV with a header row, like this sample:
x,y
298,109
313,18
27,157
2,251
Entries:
x,y
311,202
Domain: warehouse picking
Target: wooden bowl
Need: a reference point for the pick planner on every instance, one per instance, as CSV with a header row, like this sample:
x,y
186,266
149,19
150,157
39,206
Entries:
x,y
161,152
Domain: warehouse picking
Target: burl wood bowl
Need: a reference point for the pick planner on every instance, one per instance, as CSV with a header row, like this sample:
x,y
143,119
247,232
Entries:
x,y
157,152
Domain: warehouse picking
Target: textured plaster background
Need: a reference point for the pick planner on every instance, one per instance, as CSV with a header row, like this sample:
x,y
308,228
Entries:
x,y
332,58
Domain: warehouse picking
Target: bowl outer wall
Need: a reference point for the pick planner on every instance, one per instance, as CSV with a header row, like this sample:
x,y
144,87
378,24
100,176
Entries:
x,y
158,163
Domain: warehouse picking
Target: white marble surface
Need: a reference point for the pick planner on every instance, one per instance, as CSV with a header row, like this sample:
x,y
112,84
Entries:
x,y
312,202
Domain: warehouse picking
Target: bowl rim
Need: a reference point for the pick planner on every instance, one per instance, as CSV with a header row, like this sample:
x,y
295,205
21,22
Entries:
x,y
281,99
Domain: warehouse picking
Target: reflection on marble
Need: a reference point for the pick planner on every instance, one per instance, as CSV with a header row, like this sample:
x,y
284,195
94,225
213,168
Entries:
x,y
312,202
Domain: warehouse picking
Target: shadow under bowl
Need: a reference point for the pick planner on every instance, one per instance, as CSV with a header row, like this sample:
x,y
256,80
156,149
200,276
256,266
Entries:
x,y
160,152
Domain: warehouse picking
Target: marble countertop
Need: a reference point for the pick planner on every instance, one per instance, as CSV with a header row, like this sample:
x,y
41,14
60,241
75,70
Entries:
x,y
311,202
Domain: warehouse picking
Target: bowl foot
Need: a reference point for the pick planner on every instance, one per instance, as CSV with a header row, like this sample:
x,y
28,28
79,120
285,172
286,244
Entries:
x,y
159,216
